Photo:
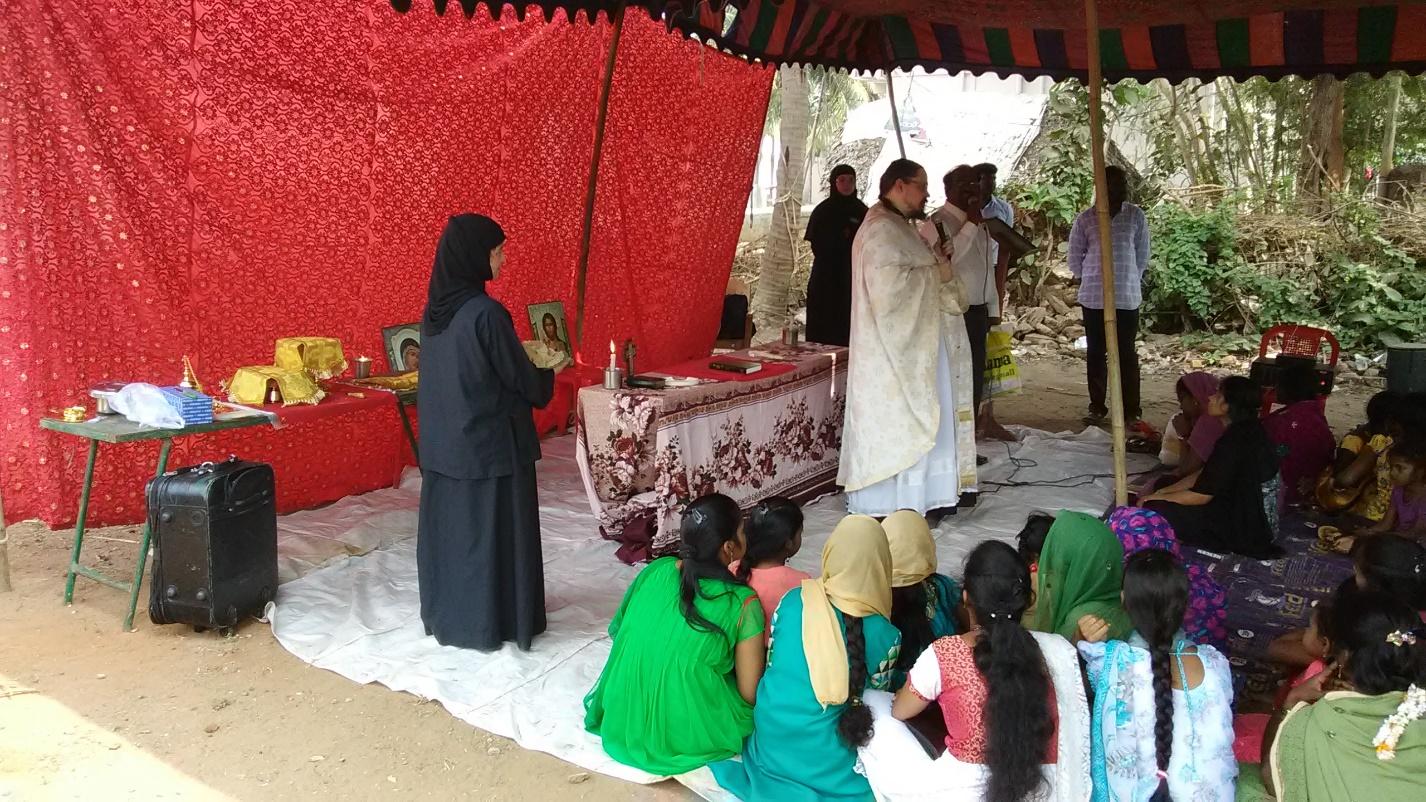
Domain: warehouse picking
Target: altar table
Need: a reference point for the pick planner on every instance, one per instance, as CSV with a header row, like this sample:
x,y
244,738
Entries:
x,y
645,454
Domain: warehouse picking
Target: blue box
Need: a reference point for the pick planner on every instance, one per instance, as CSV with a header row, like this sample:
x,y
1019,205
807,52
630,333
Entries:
x,y
194,407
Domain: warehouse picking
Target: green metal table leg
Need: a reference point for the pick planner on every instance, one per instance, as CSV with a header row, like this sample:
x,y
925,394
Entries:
x,y
144,544
79,521
410,433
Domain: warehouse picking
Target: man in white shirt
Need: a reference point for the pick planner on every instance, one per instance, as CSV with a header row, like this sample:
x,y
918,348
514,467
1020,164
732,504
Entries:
x,y
1000,209
957,229
1130,231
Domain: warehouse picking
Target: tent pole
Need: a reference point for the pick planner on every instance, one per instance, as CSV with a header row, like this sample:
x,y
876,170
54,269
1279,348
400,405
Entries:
x,y
1106,255
4,549
895,115
586,233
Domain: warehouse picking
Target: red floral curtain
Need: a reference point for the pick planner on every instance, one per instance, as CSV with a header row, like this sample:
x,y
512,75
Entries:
x,y
202,178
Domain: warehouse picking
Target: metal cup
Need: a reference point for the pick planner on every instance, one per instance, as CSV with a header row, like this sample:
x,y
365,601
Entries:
x,y
613,379
363,367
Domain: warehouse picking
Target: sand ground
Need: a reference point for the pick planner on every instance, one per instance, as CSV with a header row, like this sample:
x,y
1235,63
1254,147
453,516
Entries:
x,y
164,713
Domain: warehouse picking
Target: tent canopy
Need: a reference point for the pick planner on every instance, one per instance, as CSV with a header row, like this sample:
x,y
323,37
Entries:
x,y
1140,39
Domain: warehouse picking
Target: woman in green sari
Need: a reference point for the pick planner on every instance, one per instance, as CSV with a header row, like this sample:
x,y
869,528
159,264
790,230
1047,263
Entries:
x,y
1348,733
1080,573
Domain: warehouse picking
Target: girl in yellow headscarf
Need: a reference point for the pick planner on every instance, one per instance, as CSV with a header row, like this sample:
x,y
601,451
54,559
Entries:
x,y
831,640
923,602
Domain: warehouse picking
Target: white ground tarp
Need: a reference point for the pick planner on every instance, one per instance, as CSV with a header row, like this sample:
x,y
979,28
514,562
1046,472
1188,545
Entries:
x,y
359,615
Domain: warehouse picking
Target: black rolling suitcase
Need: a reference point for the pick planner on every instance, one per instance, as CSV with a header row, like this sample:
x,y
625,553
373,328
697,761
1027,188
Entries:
x,y
215,543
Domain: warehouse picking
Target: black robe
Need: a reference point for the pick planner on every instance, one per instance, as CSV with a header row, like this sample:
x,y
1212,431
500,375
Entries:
x,y
478,538
830,229
1239,476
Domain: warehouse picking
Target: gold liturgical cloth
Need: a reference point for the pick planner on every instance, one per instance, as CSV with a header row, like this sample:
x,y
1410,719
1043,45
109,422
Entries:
x,y
320,356
249,386
403,381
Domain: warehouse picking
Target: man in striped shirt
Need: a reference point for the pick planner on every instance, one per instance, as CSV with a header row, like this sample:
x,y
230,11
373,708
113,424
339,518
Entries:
x,y
1130,231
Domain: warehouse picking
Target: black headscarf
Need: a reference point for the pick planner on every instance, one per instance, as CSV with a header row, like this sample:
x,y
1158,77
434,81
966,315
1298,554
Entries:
x,y
837,172
461,269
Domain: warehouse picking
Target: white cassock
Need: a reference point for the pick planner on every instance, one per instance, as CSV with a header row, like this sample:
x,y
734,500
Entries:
x,y
909,437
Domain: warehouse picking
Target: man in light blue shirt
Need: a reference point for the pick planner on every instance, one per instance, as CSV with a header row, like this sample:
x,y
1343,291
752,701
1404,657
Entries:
x,y
1130,231
1000,209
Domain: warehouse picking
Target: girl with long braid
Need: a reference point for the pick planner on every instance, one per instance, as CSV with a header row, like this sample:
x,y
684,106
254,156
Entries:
x,y
687,654
1162,713
831,641
1013,701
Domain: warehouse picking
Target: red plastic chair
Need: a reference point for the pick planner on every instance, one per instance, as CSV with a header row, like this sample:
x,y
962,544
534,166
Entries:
x,y
1294,340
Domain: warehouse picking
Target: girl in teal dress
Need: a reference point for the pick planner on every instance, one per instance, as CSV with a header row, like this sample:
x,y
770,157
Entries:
x,y
923,603
831,640
678,689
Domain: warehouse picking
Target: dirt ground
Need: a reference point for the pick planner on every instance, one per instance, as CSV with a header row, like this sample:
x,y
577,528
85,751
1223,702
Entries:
x,y
163,713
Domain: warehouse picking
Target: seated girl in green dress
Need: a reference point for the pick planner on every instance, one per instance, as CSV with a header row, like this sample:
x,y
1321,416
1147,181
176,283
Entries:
x,y
677,692
831,640
923,603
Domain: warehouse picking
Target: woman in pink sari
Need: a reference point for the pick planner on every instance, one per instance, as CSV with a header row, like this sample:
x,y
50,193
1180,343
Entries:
x,y
1301,433
1200,430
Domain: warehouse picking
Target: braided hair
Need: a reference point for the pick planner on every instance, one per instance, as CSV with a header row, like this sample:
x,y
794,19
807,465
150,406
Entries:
x,y
772,525
1018,726
854,725
707,524
1155,597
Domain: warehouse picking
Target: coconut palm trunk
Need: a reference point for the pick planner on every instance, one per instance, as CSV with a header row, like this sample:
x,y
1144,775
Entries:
x,y
779,257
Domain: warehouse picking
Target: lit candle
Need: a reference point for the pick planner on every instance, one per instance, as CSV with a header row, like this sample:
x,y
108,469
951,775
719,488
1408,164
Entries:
x,y
612,363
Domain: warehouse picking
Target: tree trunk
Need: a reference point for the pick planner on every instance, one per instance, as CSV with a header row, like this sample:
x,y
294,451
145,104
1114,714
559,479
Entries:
x,y
1388,137
1322,163
780,255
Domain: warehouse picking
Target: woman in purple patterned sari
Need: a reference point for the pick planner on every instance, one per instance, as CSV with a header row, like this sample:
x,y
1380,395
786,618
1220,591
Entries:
x,y
1204,620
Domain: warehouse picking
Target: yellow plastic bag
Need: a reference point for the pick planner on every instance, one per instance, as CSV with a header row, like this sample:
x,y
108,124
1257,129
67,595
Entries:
x,y
1002,375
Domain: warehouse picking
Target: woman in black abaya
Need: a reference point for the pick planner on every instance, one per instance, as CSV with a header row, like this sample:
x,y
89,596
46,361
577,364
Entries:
x,y
830,229
478,539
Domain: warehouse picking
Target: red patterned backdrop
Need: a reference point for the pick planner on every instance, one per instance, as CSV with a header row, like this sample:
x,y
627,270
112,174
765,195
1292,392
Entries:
x,y
202,178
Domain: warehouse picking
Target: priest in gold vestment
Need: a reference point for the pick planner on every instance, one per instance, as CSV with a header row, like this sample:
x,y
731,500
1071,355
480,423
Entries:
x,y
909,435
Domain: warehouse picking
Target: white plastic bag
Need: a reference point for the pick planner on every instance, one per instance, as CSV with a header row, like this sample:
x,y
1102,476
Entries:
x,y
145,404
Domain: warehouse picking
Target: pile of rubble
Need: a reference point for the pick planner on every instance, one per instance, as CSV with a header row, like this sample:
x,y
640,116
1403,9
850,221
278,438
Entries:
x,y
1055,327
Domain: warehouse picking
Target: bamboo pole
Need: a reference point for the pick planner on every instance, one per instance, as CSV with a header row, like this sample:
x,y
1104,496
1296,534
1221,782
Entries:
x,y
1106,256
895,115
586,234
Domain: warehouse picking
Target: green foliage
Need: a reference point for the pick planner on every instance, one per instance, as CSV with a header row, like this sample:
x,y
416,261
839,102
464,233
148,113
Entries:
x,y
1204,281
1364,122
1061,186
1193,258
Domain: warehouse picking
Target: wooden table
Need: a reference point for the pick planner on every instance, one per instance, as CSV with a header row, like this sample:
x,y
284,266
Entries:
x,y
118,429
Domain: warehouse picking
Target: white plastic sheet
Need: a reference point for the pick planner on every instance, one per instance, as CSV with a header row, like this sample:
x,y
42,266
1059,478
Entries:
x,y
359,616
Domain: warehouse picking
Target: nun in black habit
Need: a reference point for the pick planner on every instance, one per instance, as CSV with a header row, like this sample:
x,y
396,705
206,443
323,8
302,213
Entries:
x,y
478,537
830,229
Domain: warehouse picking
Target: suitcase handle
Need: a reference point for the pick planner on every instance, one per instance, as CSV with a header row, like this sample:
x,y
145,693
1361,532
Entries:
x,y
205,467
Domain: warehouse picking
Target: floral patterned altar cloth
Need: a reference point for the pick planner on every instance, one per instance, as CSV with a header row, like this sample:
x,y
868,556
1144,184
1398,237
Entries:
x,y
645,454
